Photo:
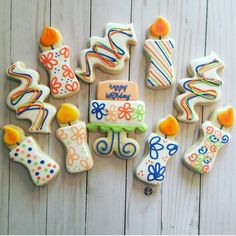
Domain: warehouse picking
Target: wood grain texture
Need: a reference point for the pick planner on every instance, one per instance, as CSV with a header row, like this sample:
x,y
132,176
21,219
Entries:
x,y
5,22
109,199
218,191
67,195
106,182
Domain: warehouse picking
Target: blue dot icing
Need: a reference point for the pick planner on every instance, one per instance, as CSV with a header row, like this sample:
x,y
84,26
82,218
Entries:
x,y
42,162
36,173
29,161
16,154
51,171
30,149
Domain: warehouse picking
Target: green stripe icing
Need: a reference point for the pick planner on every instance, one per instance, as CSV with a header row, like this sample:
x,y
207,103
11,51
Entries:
x,y
115,127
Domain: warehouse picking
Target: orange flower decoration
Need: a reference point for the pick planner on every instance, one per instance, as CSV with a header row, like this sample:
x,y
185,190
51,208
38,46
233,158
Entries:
x,y
79,135
65,52
62,134
48,60
72,156
111,113
67,72
73,86
125,111
55,85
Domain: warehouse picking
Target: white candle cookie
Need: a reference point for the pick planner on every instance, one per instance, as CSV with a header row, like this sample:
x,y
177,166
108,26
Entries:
x,y
159,49
73,135
56,58
28,99
215,133
26,151
161,147
108,53
203,89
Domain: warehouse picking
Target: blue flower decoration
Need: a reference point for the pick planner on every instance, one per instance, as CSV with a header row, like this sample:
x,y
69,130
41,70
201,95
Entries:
x,y
172,148
98,110
156,172
155,146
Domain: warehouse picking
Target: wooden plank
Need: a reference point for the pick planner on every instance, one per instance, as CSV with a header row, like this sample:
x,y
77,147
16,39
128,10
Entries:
x,y
67,195
5,19
160,213
27,203
218,189
106,183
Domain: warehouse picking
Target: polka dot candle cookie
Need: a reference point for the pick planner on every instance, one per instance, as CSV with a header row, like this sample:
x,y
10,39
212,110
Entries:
x,y
25,150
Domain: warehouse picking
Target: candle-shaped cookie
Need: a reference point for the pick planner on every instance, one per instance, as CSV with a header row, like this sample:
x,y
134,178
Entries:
x,y
117,112
202,89
108,53
28,99
55,57
214,134
159,49
161,147
26,151
73,135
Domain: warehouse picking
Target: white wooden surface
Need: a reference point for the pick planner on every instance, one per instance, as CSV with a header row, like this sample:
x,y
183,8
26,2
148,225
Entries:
x,y
109,199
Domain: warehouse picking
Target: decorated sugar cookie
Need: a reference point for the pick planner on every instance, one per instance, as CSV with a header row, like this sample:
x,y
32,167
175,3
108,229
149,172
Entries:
x,y
56,58
108,53
161,147
159,49
118,114
73,135
28,99
202,89
215,133
25,150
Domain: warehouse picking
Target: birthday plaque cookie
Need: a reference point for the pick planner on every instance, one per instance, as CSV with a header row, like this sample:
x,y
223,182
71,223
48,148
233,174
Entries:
x,y
202,89
159,49
214,134
55,57
108,53
26,151
118,114
73,135
161,147
28,99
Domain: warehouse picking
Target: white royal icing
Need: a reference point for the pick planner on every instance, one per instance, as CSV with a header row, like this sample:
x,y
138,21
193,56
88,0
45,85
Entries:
x,y
108,53
204,88
42,168
74,138
152,168
28,99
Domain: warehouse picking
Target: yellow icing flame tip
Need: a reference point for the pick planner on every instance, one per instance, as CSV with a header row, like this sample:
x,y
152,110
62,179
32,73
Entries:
x,y
160,27
11,135
226,117
169,126
67,113
49,36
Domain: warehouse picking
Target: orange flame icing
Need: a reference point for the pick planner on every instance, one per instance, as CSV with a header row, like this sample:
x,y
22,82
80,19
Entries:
x,y
11,135
226,117
49,36
160,27
67,113
169,126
